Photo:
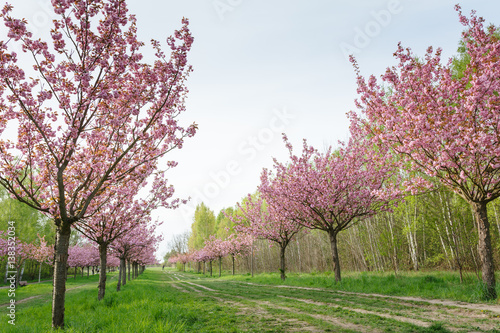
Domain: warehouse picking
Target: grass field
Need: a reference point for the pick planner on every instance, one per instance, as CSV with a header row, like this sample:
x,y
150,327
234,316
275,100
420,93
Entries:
x,y
171,301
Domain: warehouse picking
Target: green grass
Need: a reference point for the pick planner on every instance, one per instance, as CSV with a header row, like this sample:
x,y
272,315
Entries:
x,y
143,305
151,303
442,285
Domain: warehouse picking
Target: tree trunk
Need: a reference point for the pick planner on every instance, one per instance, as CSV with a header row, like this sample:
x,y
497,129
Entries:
x,y
252,260
210,268
220,266
335,255
128,264
63,233
88,271
282,261
233,264
6,272
485,250
22,271
40,272
120,273
123,266
103,249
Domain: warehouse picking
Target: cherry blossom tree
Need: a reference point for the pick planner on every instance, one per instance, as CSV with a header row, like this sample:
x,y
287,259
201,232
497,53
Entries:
x,y
267,218
216,248
121,215
42,253
139,241
330,191
238,244
92,115
443,125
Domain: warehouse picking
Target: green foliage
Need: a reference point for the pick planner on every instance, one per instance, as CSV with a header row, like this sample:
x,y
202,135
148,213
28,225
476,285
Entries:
x,y
202,227
28,221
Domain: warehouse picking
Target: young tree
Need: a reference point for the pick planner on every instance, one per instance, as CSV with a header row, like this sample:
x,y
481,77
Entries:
x,y
92,118
238,244
267,218
130,245
330,191
216,248
445,125
122,214
42,253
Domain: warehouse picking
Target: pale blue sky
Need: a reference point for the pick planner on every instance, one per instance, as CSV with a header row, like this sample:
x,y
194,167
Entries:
x,y
266,67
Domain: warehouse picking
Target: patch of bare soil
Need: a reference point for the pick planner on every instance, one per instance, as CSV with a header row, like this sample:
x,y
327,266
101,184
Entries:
x,y
178,288
199,286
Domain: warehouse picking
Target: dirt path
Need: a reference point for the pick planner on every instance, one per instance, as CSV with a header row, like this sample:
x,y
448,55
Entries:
x,y
24,300
312,308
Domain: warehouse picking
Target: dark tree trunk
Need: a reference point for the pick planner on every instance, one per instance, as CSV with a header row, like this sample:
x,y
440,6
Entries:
x,y
233,264
103,249
210,268
128,264
63,233
335,255
120,273
123,266
282,261
88,271
485,250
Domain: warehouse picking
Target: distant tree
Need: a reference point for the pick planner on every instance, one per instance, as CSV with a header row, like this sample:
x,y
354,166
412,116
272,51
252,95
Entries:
x,y
269,218
203,226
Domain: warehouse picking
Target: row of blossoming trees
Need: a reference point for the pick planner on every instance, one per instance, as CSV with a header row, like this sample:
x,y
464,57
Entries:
x,y
94,123
425,123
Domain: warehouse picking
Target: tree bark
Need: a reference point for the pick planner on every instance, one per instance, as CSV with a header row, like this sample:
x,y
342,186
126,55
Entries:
x,y
120,273
103,249
282,261
485,249
40,273
335,255
128,264
123,265
252,260
63,233
220,266
233,263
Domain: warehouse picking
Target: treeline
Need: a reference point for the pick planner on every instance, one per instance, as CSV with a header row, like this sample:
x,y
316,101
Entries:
x,y
435,230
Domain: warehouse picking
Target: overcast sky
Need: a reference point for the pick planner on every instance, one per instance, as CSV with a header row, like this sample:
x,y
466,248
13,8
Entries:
x,y
262,68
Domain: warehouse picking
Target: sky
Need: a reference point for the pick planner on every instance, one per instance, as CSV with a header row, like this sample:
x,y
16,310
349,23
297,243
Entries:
x,y
263,68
